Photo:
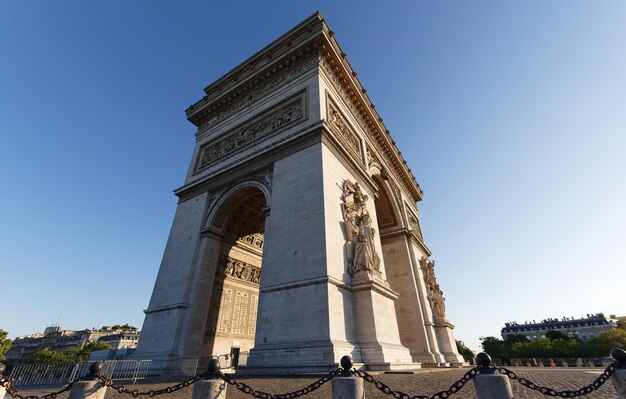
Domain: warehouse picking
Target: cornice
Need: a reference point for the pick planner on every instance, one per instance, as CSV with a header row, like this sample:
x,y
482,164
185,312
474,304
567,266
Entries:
x,y
301,40
166,307
334,63
312,36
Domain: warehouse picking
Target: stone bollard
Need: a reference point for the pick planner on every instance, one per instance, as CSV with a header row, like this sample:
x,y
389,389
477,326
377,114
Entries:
x,y
619,377
488,384
2,389
91,387
211,388
346,385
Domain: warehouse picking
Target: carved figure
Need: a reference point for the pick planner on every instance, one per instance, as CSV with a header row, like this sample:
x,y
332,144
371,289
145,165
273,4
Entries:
x,y
241,270
360,234
289,112
433,293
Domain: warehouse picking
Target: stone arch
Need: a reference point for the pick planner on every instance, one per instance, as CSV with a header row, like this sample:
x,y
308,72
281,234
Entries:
x,y
237,224
388,212
219,206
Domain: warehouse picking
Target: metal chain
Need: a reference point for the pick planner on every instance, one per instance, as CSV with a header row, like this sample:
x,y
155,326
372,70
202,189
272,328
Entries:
x,y
153,392
247,389
454,388
15,393
597,383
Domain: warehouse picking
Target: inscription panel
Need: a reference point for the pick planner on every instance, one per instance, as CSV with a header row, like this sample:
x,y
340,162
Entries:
x,y
254,302
226,305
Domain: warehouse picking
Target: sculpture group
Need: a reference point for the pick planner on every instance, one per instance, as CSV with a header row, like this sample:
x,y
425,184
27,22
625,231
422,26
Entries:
x,y
359,231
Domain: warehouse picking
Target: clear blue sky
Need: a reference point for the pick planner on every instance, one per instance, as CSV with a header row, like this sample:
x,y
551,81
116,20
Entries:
x,y
512,116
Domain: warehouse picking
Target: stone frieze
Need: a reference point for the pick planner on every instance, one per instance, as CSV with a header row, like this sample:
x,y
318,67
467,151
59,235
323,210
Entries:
x,y
346,132
415,224
232,267
271,122
338,82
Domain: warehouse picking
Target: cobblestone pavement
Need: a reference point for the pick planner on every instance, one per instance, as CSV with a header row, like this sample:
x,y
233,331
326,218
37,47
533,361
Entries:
x,y
423,382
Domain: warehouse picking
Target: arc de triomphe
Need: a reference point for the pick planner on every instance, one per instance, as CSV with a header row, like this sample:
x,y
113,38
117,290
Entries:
x,y
297,234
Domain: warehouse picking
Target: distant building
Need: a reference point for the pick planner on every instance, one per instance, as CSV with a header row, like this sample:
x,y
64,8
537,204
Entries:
x,y
111,354
56,339
121,340
582,328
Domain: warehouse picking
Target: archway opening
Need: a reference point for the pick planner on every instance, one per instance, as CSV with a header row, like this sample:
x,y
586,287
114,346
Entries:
x,y
385,211
231,322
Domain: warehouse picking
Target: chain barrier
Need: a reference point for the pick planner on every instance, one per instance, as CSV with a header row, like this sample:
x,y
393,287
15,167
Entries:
x,y
153,392
106,382
596,384
454,388
247,389
15,393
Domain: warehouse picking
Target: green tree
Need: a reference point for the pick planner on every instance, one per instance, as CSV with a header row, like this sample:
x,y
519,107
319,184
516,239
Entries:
x,y
466,352
496,348
567,348
72,355
5,343
602,344
125,326
621,323
516,338
81,354
45,355
92,347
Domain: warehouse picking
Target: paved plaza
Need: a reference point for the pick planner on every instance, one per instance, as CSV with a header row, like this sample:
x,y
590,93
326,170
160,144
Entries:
x,y
423,382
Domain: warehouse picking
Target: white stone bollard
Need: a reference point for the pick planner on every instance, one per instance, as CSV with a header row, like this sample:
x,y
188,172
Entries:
x,y
211,388
92,387
347,386
2,389
619,377
488,384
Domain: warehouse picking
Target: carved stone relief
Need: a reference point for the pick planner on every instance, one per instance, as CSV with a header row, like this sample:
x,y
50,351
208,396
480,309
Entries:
x,y
331,72
266,176
347,134
434,294
273,121
370,157
362,254
232,267
415,224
